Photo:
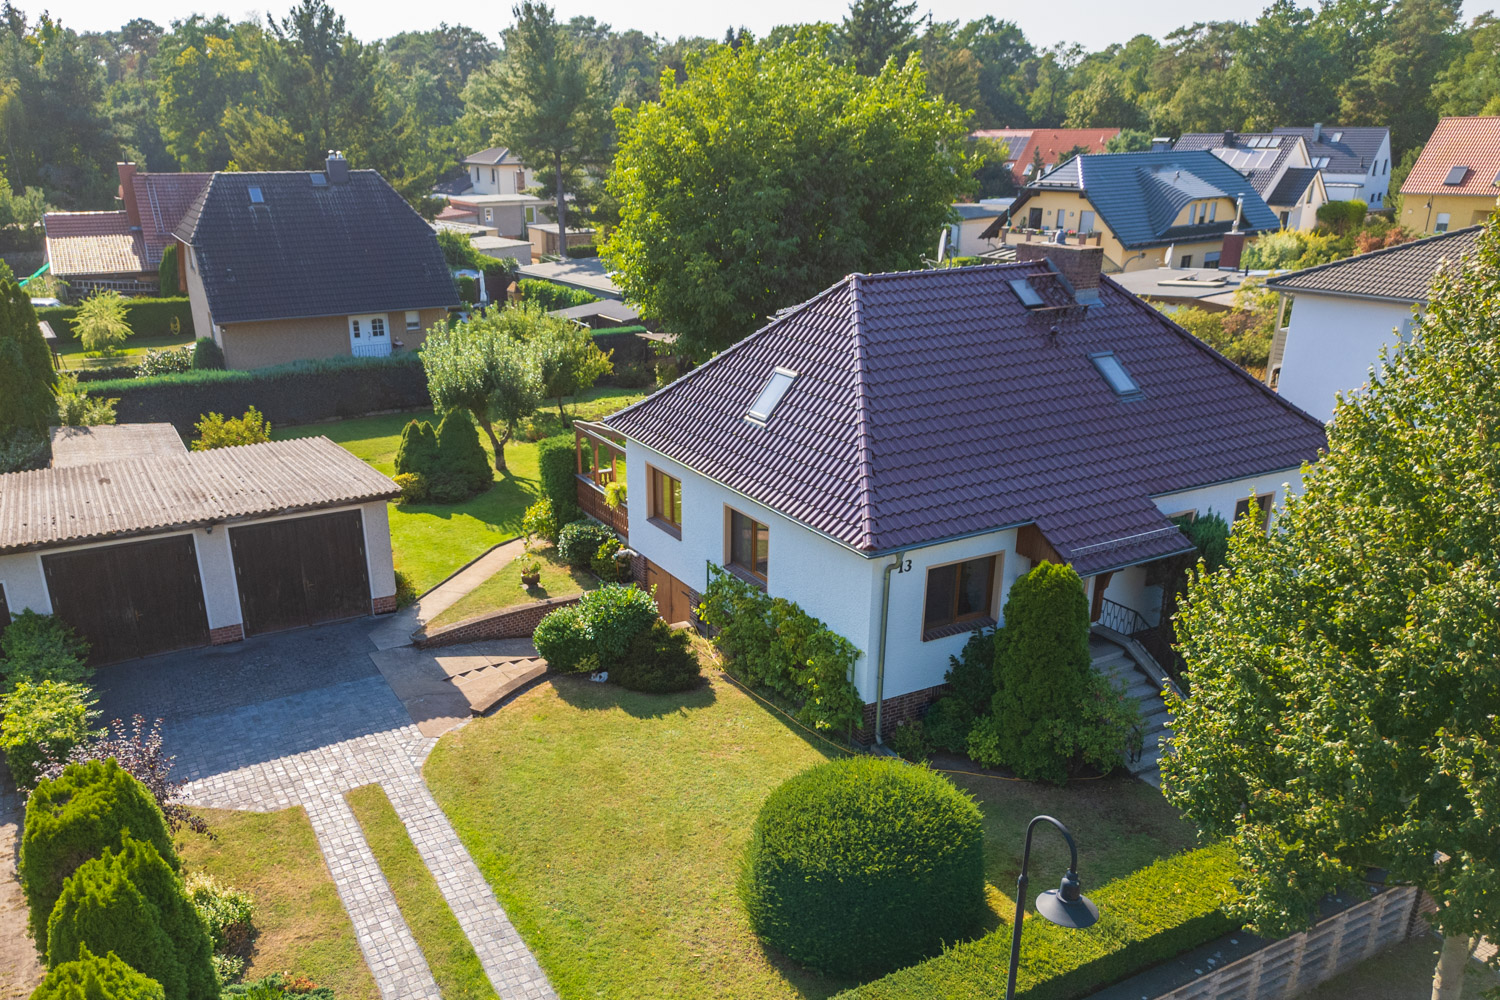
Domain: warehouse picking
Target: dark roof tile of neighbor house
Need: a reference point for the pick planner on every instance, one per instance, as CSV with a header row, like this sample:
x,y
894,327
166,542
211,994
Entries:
x,y
934,404
1351,149
145,495
312,246
1400,273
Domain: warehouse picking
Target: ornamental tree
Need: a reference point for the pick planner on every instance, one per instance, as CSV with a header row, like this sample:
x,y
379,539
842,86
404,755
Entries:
x,y
26,375
1345,669
101,322
767,173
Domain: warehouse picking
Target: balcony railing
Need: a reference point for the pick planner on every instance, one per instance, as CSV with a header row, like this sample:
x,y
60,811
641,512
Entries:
x,y
1022,234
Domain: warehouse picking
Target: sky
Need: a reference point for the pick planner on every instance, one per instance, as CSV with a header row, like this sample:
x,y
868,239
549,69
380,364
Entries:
x,y
1094,23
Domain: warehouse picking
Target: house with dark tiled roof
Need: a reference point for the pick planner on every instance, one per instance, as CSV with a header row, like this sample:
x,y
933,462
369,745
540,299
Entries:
x,y
1456,178
1355,159
290,265
1279,166
121,250
895,452
1165,208
1346,311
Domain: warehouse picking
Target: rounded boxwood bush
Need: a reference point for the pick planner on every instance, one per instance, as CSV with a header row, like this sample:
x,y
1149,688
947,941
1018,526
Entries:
x,y
864,865
95,977
579,542
77,816
660,659
562,640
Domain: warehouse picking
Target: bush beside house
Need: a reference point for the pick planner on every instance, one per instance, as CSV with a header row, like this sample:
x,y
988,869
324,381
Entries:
x,y
597,632
557,462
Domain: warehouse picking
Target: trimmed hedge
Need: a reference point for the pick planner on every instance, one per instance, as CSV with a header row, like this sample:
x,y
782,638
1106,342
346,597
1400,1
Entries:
x,y
303,392
863,865
550,295
659,660
578,542
77,816
557,462
97,977
1147,917
147,318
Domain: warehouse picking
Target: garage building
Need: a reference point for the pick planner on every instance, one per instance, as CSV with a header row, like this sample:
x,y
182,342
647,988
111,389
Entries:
x,y
148,553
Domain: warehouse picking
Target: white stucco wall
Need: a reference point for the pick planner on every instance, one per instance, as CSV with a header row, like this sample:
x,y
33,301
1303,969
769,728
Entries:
x,y
1221,498
1331,345
378,548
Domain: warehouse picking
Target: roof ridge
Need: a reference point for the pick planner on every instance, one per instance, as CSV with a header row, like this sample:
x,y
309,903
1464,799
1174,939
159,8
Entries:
x,y
864,500
1367,255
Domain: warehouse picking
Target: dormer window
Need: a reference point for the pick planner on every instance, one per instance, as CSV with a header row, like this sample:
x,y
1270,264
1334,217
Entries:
x,y
765,404
1115,374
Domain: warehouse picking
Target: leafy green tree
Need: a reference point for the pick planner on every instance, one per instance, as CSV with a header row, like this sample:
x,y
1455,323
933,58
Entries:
x,y
26,374
1288,68
764,177
546,100
205,68
22,209
568,362
1103,103
876,31
1394,87
1346,667
1471,82
1129,140
101,322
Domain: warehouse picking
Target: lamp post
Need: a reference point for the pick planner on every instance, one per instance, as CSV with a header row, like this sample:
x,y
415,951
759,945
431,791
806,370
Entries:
x,y
1065,906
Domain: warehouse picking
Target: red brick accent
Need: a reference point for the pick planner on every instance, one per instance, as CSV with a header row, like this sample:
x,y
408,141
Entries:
x,y
902,708
383,605
1080,265
511,623
226,634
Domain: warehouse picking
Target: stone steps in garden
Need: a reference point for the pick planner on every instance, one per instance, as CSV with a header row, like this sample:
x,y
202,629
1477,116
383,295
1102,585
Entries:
x,y
1116,663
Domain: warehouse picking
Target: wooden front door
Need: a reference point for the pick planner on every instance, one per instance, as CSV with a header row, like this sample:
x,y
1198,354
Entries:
x,y
674,602
301,571
132,599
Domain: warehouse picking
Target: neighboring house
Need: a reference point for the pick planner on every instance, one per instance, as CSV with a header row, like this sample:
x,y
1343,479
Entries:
x,y
1279,166
506,215
288,265
498,171
158,548
1023,144
1344,312
543,237
502,248
491,194
1210,289
1172,208
1456,178
121,250
1355,160
586,273
895,452
973,219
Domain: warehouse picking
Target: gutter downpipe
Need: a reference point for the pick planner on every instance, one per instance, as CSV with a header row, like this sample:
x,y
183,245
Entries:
x,y
885,608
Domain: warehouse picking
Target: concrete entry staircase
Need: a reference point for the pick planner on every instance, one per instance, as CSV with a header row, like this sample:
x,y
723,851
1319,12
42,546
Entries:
x,y
1118,658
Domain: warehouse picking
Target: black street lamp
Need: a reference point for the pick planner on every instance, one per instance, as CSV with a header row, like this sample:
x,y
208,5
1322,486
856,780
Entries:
x,y
1065,906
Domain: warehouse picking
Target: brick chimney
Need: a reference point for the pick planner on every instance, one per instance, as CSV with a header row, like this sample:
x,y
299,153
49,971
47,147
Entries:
x,y
1080,265
1234,248
338,167
127,193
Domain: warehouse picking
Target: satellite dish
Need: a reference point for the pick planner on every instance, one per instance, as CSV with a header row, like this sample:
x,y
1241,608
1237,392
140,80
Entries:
x,y
942,246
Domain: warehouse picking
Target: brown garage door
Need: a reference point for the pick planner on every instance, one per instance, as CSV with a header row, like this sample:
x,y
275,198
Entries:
x,y
301,571
674,602
131,599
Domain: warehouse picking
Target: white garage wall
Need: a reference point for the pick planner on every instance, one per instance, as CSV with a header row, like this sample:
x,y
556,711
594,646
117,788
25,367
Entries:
x,y
1331,345
378,548
25,586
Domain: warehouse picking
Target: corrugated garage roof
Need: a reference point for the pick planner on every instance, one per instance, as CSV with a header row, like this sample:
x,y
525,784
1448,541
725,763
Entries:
x,y
139,496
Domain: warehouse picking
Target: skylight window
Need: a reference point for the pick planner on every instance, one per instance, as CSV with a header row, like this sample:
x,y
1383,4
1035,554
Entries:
x,y
1028,295
776,386
318,178
256,198
1115,374
1456,175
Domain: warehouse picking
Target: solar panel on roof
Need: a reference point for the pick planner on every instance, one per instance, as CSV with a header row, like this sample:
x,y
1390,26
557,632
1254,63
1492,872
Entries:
x,y
1456,175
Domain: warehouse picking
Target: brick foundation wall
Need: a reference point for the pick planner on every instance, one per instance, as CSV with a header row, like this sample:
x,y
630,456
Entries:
x,y
226,634
902,708
511,623
383,605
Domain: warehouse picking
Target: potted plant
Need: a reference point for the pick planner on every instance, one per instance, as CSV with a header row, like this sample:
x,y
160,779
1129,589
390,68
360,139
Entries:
x,y
531,574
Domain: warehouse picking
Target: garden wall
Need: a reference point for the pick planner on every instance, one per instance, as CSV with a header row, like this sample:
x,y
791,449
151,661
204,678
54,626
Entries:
x,y
511,623
305,392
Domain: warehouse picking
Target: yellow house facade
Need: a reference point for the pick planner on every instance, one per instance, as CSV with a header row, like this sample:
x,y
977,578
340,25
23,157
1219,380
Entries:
x,y
1456,179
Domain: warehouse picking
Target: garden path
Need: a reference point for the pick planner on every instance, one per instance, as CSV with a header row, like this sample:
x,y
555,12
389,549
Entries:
x,y
395,630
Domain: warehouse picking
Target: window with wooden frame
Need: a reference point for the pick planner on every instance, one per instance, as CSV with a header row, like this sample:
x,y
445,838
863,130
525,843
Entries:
x,y
665,501
748,546
1263,501
960,597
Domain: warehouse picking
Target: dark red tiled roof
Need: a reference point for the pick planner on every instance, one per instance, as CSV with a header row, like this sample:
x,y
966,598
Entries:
x,y
163,199
932,404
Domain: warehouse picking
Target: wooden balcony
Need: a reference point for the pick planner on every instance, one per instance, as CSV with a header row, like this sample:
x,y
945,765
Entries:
x,y
601,457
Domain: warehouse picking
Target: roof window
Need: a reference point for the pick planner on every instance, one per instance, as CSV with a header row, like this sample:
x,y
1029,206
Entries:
x,y
1115,374
1029,296
765,404
318,178
1336,137
256,198
1456,176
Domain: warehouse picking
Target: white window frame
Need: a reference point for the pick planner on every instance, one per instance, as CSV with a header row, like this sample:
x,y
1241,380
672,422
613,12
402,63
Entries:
x,y
413,321
1444,220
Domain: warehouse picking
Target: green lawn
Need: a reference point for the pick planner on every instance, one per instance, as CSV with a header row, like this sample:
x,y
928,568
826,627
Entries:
x,y
611,825
504,590
72,351
449,954
430,541
300,923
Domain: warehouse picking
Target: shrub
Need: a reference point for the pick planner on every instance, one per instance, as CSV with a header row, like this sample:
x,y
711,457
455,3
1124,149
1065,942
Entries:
x,y
405,592
207,355
413,486
604,564
971,674
41,647
278,985
417,454
1210,536
462,468
226,912
659,660
579,542
177,359
75,817
468,289
910,741
948,724
862,865
22,448
1052,711
167,272
132,903
557,462
540,521
613,616
43,722
1149,916
564,642
216,432
101,323
94,977
550,295
76,408
1343,216
772,642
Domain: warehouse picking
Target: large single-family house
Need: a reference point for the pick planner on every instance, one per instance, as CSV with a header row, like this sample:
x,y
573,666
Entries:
x,y
1025,146
289,265
895,452
121,250
1456,178
1346,311
1355,159
1168,208
145,547
1279,166
498,171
